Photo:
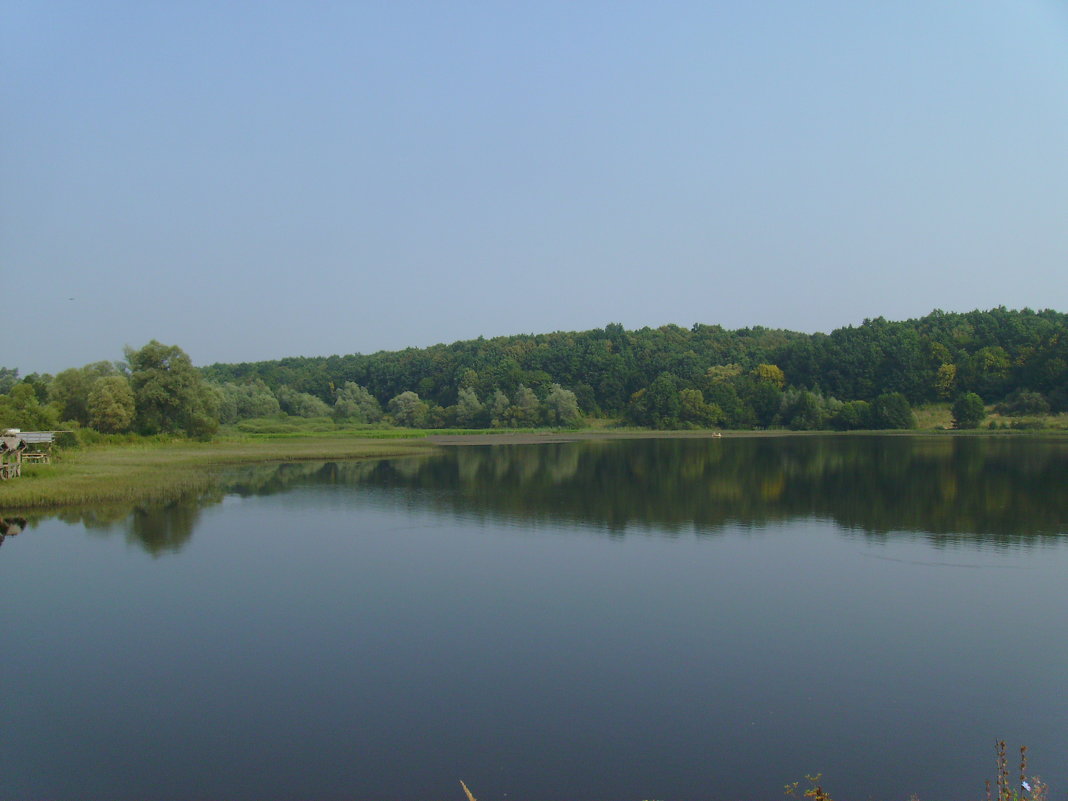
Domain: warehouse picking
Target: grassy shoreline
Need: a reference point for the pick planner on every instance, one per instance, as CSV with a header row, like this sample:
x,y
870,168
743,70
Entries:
x,y
153,471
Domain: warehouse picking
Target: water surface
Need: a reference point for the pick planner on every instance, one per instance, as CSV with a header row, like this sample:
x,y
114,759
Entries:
x,y
670,619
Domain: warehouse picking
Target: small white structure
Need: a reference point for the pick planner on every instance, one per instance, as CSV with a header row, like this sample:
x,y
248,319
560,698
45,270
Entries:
x,y
18,446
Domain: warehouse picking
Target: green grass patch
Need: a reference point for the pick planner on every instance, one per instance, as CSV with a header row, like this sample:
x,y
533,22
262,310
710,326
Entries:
x,y
933,416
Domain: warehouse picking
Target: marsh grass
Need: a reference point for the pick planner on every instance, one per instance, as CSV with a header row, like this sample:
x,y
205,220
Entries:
x,y
933,416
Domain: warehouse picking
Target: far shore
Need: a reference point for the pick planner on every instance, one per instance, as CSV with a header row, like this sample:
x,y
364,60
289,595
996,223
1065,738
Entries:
x,y
544,437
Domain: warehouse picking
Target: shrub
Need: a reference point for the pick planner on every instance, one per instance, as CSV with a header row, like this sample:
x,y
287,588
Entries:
x,y
968,411
852,415
892,410
1023,401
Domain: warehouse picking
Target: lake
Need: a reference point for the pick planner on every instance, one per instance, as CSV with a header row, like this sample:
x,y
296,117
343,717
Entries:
x,y
628,619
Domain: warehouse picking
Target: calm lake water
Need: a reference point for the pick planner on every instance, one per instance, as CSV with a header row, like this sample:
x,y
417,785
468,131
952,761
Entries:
x,y
648,619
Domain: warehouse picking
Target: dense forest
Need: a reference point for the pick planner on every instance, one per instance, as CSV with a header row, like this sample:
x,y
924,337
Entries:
x,y
857,377
706,375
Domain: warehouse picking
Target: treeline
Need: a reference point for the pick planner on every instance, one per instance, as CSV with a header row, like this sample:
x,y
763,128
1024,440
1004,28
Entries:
x,y
157,390
858,377
865,376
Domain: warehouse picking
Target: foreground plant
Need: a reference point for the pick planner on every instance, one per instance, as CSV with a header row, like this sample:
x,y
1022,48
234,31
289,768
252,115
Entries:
x,y
1029,789
814,791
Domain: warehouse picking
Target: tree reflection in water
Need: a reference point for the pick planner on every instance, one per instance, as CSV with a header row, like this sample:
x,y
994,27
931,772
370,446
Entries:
x,y
11,527
996,489
1004,490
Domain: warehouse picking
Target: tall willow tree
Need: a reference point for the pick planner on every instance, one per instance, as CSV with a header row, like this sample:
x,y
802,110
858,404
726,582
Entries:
x,y
356,403
170,393
111,406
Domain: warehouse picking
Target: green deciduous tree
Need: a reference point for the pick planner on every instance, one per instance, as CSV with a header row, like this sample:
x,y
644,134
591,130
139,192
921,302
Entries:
x,y
852,416
408,410
736,412
70,389
766,400
356,403
9,376
301,404
1023,401
469,412
526,411
892,410
21,408
245,400
986,372
695,413
40,383
968,411
170,394
802,410
111,404
498,408
561,407
658,405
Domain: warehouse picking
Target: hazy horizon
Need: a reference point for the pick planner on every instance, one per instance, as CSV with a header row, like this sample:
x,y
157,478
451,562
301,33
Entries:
x,y
255,181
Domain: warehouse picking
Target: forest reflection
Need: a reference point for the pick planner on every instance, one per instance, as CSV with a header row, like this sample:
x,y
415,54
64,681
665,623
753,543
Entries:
x,y
1008,491
1005,490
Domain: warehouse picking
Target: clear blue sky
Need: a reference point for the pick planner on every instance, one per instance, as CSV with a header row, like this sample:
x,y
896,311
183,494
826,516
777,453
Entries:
x,y
262,179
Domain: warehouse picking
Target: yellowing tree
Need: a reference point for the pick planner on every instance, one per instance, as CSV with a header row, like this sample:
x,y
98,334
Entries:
x,y
770,373
945,383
